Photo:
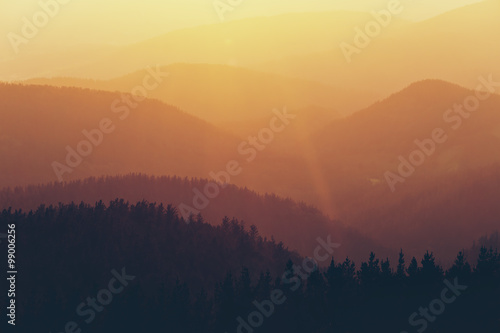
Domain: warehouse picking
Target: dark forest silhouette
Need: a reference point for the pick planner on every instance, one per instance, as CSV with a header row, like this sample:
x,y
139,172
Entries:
x,y
194,277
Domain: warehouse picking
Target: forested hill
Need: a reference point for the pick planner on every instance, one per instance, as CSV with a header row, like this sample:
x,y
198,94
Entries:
x,y
67,251
295,224
141,268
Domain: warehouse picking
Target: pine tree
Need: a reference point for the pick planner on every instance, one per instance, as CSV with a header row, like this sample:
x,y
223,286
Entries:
x,y
413,268
401,270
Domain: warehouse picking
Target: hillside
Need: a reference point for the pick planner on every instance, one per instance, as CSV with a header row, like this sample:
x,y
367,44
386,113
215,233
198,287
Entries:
x,y
140,267
258,166
445,213
152,137
296,224
340,169
451,189
73,249
457,46
220,93
147,137
236,43
379,134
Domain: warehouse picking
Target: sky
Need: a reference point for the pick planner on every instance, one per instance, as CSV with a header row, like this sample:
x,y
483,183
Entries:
x,y
121,22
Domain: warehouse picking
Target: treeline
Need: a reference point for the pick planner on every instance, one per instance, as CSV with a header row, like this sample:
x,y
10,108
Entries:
x,y
194,277
295,224
66,253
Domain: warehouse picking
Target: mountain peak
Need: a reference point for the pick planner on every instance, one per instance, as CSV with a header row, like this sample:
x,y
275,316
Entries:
x,y
431,86
430,91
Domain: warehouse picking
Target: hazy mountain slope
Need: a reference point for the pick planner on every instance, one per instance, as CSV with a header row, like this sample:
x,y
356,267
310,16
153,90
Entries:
x,y
308,122
220,93
341,169
360,149
38,123
363,147
442,213
240,43
59,59
296,224
379,134
154,138
350,156
465,38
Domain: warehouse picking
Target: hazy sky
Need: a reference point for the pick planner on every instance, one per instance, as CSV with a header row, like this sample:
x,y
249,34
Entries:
x,y
125,21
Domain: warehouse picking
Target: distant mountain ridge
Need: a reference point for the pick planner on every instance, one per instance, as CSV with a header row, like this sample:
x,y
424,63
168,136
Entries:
x,y
296,224
221,93
457,46
228,43
340,168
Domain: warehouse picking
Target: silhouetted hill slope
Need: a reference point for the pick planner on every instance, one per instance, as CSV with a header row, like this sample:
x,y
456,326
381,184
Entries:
x,y
220,93
132,268
66,252
296,224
